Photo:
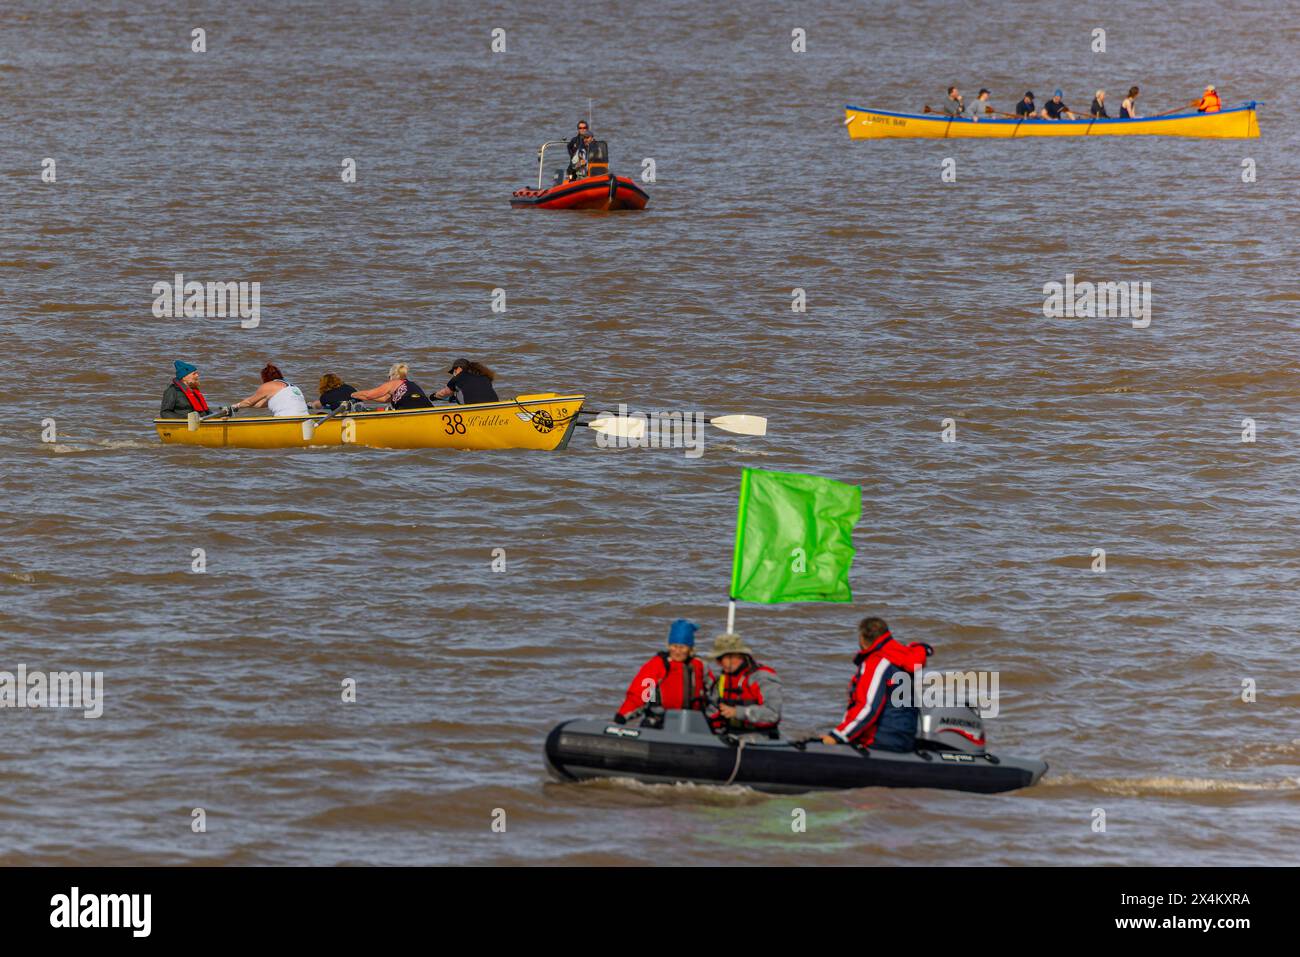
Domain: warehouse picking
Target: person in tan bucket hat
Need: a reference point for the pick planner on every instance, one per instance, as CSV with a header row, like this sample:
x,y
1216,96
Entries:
x,y
746,698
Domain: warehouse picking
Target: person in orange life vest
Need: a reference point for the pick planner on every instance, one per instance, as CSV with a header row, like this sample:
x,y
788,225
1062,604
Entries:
x,y
1210,102
746,698
671,679
872,717
182,395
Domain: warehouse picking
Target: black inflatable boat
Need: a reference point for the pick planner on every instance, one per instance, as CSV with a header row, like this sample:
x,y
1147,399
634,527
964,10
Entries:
x,y
950,754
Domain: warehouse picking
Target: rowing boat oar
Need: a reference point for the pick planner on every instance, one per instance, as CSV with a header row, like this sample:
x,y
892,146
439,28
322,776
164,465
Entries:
x,y
739,424
309,427
193,419
1167,112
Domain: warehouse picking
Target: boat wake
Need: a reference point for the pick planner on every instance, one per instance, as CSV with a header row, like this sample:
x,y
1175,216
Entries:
x,y
1169,786
99,445
685,792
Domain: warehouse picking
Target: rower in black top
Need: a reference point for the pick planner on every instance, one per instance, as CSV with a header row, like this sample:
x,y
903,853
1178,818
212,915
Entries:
x,y
470,382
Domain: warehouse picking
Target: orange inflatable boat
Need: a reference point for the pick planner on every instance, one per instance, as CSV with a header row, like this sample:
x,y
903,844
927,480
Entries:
x,y
598,189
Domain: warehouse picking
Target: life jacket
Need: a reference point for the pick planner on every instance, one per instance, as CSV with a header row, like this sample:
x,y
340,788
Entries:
x,y
1209,103
689,692
737,690
408,395
193,396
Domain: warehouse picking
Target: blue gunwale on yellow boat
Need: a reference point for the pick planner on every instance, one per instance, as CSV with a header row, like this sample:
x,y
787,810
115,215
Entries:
x,y
1238,122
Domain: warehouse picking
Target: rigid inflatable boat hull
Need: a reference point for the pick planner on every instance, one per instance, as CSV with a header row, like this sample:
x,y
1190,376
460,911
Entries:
x,y
585,750
603,192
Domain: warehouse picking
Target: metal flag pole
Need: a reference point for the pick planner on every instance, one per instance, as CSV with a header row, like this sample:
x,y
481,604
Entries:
x,y
731,616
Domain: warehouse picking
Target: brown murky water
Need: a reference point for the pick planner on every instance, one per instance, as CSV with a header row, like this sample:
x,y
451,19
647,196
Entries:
x,y
924,303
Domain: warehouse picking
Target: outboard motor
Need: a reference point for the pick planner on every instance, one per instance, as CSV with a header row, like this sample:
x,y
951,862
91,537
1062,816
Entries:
x,y
950,729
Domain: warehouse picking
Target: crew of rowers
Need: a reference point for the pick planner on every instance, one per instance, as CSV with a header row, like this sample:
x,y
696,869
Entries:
x,y
746,696
1055,108
470,382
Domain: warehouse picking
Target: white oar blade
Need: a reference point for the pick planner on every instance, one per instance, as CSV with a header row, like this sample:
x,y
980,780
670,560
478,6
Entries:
x,y
627,428
741,424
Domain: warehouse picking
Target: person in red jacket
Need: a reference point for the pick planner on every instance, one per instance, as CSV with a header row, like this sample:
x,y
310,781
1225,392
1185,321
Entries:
x,y
671,679
873,718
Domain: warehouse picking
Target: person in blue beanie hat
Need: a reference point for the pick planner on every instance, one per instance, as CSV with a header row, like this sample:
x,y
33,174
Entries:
x,y
1056,108
674,678
182,395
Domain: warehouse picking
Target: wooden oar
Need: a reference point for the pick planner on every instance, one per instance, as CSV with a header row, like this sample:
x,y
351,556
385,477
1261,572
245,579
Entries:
x,y
1167,112
738,424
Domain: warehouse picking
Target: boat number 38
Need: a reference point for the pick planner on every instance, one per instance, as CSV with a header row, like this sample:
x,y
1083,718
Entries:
x,y
454,424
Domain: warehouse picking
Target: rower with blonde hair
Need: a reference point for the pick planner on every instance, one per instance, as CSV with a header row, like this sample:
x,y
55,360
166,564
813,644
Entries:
x,y
400,391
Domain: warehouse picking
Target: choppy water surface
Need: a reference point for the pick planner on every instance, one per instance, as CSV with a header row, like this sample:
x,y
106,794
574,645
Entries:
x,y
924,303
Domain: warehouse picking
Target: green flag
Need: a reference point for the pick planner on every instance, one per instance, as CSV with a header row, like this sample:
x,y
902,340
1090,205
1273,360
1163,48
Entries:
x,y
794,538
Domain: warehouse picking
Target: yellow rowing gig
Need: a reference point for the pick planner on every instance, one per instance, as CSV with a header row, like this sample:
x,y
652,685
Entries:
x,y
544,422
863,124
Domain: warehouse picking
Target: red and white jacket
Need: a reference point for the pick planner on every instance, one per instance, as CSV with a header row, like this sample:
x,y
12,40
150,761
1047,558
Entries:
x,y
879,667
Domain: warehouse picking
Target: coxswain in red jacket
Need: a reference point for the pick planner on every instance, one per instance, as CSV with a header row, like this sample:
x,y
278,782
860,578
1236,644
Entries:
x,y
873,718
671,679
746,697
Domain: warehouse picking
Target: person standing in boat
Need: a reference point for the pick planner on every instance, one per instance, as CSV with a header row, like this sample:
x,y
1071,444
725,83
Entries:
x,y
746,698
333,392
275,395
399,391
873,718
671,679
1210,102
579,148
955,105
182,395
1056,108
1025,109
1128,109
1098,108
575,143
470,383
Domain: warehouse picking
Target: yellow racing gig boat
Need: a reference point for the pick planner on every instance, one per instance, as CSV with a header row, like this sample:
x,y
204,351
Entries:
x,y
543,422
863,124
